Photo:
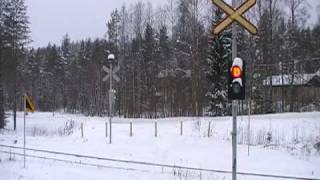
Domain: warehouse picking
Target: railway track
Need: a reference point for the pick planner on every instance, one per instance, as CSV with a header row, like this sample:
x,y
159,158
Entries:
x,y
85,160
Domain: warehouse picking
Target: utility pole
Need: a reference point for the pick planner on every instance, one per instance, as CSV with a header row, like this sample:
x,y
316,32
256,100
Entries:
x,y
234,103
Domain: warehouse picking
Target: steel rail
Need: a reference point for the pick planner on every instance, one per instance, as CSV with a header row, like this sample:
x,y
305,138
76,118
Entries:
x,y
73,162
161,165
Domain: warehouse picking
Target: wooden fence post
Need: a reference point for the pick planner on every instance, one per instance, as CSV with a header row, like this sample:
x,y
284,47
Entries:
x,y
209,129
106,129
82,130
131,134
156,128
181,128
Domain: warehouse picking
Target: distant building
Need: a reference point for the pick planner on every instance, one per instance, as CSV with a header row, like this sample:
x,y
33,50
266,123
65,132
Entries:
x,y
301,91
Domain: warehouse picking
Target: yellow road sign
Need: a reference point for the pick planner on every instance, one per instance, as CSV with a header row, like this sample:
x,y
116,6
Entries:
x,y
235,15
29,107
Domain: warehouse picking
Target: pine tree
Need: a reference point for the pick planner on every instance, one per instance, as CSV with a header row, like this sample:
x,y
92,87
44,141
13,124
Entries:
x,y
64,68
123,90
52,71
316,39
219,56
182,38
2,120
166,68
148,68
259,93
82,75
17,36
113,30
114,27
30,73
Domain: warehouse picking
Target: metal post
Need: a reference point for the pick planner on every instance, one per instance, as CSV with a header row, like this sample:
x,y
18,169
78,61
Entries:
x,y
234,104
249,124
234,139
110,104
24,131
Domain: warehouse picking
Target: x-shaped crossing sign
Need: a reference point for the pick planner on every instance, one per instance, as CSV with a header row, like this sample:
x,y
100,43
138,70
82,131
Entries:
x,y
235,15
111,73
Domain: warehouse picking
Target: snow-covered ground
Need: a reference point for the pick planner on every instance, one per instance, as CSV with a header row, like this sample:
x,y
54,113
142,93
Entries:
x,y
289,152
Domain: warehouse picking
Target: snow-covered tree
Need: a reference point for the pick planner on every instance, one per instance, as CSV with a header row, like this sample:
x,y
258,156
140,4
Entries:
x,y
113,31
2,5
166,68
64,67
168,56
219,56
182,37
16,36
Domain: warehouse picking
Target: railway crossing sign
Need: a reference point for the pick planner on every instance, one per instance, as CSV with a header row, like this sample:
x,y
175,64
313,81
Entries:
x,y
111,73
235,15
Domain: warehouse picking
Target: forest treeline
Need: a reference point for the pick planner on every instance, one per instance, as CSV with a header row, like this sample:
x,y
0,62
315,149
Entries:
x,y
170,62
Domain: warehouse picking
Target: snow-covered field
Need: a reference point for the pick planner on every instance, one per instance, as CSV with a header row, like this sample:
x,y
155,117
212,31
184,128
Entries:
x,y
289,152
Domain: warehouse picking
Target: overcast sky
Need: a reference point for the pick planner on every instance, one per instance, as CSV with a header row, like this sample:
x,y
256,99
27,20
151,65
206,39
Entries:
x,y
51,19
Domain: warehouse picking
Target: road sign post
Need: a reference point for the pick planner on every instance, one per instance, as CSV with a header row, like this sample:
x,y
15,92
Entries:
x,y
24,130
27,107
234,15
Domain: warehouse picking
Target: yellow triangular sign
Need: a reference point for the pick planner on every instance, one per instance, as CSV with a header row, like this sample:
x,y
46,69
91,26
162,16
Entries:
x,y
29,105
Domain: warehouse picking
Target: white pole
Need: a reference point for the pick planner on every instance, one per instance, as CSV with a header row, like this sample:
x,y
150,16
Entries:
x,y
24,130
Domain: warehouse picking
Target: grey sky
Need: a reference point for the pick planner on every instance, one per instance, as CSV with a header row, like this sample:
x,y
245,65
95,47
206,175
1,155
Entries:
x,y
51,19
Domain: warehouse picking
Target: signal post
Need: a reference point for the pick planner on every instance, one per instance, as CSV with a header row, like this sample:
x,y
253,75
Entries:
x,y
111,74
236,73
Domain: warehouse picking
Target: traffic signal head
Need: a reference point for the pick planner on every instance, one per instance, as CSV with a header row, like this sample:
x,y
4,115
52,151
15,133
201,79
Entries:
x,y
236,72
236,77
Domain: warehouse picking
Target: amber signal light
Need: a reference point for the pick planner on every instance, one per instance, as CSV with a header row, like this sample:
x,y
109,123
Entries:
x,y
236,72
